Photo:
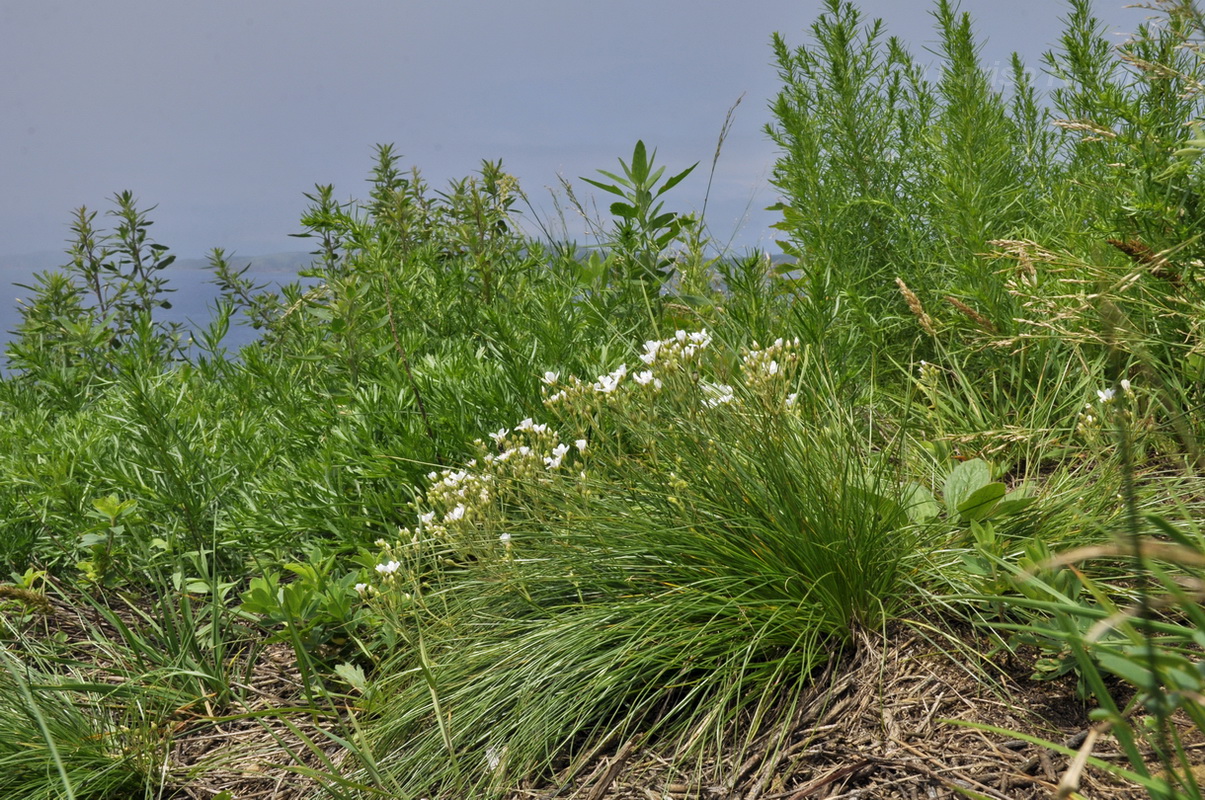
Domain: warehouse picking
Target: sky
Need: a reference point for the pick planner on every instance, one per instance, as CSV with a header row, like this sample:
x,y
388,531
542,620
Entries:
x,y
223,113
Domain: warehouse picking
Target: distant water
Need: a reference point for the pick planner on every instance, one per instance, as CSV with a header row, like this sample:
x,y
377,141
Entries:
x,y
193,300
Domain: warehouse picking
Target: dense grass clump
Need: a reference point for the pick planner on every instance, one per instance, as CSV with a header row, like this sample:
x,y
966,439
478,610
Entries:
x,y
476,507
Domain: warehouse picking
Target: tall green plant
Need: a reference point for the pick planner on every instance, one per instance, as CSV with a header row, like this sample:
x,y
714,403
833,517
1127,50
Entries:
x,y
81,318
643,230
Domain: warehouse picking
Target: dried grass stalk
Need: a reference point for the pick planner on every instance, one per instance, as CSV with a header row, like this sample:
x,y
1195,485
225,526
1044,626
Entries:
x,y
918,310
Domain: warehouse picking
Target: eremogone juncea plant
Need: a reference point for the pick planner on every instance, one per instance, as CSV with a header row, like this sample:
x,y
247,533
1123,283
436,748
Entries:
x,y
672,550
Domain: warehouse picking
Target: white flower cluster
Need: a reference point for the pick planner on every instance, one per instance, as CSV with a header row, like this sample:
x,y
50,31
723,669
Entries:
x,y
762,366
681,347
659,356
460,501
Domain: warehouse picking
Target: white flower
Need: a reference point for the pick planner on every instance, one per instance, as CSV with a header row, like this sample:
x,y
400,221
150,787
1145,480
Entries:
x,y
643,378
427,519
499,435
1105,395
539,428
455,514
1125,385
791,398
650,352
558,454
525,425
718,394
581,445
551,377
388,568
609,383
361,588
504,538
701,338
680,336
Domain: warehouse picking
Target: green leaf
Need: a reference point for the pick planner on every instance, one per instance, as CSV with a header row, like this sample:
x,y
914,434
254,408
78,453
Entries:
x,y
640,164
1127,668
1014,503
607,187
964,480
981,502
919,503
623,210
674,181
353,675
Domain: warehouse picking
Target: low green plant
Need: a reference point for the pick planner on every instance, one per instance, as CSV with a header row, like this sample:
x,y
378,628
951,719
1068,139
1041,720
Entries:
x,y
104,540
315,608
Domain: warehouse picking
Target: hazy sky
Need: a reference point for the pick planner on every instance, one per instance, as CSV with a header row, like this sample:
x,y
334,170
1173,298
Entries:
x,y
223,112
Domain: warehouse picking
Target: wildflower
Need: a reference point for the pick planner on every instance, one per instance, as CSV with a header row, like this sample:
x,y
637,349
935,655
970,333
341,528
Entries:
x,y
1125,385
504,538
581,445
608,383
643,378
1105,395
791,398
651,349
455,514
388,568
717,394
361,588
525,425
772,368
499,435
558,454
550,378
539,428
427,519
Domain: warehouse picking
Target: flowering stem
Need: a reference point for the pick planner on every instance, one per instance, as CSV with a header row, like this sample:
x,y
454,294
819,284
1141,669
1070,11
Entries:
x,y
429,677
